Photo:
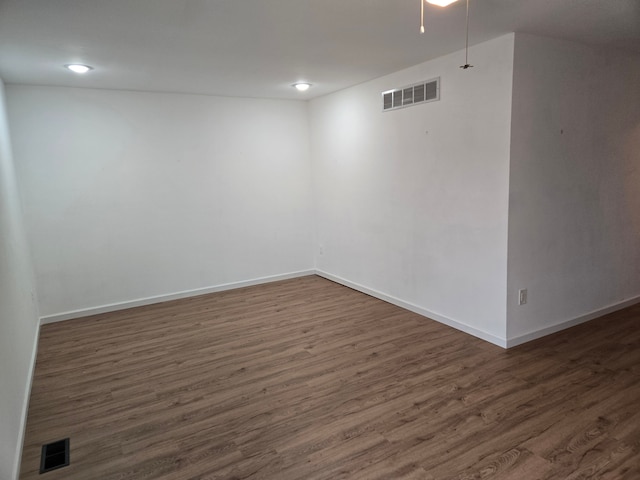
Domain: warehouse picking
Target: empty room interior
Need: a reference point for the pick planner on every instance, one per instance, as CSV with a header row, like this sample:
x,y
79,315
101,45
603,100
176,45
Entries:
x,y
319,239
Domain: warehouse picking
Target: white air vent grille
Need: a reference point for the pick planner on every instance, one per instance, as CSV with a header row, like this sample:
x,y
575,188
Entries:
x,y
428,91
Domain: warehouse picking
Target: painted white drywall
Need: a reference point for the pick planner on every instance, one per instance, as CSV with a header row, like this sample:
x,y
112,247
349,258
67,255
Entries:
x,y
18,310
129,195
574,209
413,203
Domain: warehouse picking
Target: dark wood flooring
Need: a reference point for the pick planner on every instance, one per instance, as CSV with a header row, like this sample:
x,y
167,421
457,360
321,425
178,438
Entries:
x,y
306,379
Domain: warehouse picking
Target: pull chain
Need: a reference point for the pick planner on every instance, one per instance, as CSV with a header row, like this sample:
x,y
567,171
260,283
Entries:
x,y
466,52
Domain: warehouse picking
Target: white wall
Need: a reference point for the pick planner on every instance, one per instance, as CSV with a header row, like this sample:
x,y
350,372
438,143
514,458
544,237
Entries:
x,y
574,210
130,195
421,217
18,311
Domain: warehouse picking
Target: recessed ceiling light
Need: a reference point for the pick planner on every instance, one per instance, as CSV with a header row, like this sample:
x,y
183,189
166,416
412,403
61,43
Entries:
x,y
302,86
78,68
441,3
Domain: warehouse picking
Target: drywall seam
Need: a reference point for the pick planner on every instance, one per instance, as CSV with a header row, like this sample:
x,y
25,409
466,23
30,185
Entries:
x,y
59,317
25,406
527,337
501,342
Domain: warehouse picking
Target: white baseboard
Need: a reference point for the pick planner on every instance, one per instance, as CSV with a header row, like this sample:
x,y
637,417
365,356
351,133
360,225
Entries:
x,y
543,332
25,406
59,317
501,342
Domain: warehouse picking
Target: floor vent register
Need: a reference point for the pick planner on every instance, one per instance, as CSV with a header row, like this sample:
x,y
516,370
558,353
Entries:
x,y
54,455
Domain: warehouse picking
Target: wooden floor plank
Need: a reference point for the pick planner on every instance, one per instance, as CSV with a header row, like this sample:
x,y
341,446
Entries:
x,y
307,379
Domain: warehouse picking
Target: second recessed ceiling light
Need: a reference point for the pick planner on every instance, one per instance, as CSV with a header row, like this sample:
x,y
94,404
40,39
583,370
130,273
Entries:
x,y
78,68
302,86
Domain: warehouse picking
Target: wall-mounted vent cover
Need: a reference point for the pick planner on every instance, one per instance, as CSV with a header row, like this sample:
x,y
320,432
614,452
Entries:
x,y
423,92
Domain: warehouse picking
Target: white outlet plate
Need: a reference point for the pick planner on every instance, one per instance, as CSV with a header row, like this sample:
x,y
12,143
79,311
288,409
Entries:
x,y
522,296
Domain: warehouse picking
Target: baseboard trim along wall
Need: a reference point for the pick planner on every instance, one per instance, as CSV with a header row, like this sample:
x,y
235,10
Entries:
x,y
543,332
501,342
59,317
25,404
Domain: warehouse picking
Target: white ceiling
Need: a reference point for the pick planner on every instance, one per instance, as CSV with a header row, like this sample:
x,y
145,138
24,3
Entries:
x,y
258,48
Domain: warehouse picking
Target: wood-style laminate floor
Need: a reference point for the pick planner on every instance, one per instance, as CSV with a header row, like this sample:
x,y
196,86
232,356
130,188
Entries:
x,y
306,379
